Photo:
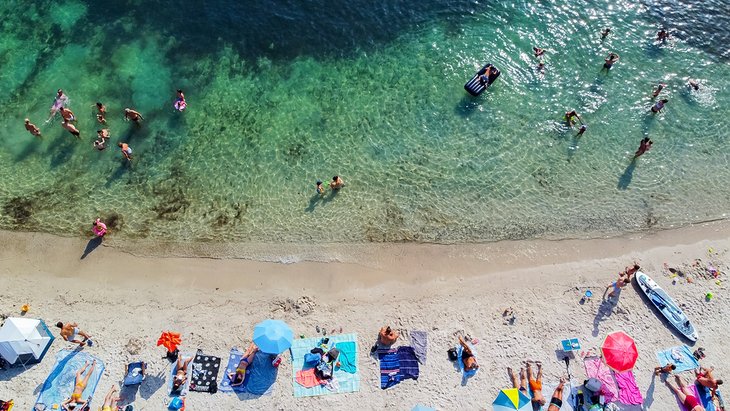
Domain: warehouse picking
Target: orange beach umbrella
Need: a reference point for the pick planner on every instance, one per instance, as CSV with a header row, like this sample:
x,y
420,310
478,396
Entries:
x,y
619,351
169,340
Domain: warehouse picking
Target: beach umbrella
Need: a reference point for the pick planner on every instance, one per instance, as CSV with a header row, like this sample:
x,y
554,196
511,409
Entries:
x,y
272,336
511,399
169,340
24,340
619,351
420,407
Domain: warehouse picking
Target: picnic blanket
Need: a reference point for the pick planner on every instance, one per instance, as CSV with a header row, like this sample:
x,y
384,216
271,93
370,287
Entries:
x,y
60,382
692,388
419,342
629,392
408,362
595,368
343,381
205,373
705,396
681,356
173,370
389,368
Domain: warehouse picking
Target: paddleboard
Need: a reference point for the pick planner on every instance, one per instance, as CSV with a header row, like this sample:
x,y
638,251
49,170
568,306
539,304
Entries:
x,y
666,305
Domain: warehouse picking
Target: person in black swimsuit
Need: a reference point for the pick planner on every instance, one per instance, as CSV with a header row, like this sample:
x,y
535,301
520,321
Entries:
x,y
557,400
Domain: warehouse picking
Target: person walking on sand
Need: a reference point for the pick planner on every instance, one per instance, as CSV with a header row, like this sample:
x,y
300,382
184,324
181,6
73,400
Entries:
x,y
71,331
32,128
237,377
535,381
705,378
659,106
132,115
556,401
644,146
617,285
80,383
336,183
667,369
110,401
685,395
126,151
658,90
101,113
610,60
71,129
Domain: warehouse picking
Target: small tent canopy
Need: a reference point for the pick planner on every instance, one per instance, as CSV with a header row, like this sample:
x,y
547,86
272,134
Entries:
x,y
24,340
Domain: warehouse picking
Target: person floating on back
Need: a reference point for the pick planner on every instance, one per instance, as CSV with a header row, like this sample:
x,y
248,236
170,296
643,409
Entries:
x,y
610,60
32,128
644,146
659,106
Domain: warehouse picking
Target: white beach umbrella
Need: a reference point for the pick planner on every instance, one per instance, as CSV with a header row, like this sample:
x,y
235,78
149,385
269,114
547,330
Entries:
x,y
25,337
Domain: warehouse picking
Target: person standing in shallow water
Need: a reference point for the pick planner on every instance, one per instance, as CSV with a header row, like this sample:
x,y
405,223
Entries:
x,y
132,115
659,106
605,33
32,128
610,60
126,151
336,183
101,115
644,146
71,129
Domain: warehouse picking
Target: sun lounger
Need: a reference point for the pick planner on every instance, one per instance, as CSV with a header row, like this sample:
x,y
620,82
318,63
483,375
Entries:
x,y
135,373
680,356
183,389
205,373
342,382
60,382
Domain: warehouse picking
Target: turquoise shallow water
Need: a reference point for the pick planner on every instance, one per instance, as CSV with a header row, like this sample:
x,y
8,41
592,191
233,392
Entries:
x,y
282,94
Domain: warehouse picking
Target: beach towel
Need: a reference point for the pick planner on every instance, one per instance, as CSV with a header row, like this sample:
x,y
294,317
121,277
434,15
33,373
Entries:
x,y
234,358
681,356
205,373
705,396
308,378
348,356
629,392
60,382
408,363
547,392
692,388
134,374
261,375
173,370
389,368
419,342
470,373
595,368
342,380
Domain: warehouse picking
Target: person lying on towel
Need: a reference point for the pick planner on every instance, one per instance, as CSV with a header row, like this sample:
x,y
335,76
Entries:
x,y
181,375
240,374
467,357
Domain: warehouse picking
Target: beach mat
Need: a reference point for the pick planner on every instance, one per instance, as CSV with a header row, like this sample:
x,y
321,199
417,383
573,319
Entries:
x,y
470,373
134,374
60,382
389,368
692,388
705,396
234,358
173,370
205,373
419,342
408,362
680,356
259,379
595,368
348,356
343,381
547,392
629,392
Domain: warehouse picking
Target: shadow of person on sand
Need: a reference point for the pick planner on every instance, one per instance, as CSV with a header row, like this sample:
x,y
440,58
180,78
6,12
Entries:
x,y
604,311
151,384
625,179
91,246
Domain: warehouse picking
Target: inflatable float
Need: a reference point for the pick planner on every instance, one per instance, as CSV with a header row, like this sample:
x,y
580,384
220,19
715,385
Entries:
x,y
477,84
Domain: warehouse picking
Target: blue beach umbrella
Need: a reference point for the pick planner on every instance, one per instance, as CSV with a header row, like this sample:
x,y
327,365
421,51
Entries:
x,y
512,399
272,336
420,407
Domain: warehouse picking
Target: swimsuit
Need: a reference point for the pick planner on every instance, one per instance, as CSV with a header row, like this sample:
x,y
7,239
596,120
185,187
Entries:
x,y
535,385
690,402
556,402
106,408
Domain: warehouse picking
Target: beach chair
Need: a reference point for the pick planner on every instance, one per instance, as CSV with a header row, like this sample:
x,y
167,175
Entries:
x,y
135,373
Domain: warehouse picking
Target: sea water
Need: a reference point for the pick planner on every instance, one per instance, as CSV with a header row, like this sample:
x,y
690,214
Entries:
x,y
284,93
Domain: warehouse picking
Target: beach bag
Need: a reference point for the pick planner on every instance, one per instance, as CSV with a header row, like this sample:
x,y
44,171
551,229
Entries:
x,y
310,358
453,354
593,385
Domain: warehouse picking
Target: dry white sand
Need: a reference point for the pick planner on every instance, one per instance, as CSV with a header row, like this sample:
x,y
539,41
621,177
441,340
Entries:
x,y
124,296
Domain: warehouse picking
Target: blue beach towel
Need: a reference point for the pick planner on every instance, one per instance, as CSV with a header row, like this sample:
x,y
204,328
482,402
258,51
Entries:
x,y
60,382
470,373
348,356
261,377
173,370
234,358
680,356
408,362
389,368
419,342
706,397
342,381
132,378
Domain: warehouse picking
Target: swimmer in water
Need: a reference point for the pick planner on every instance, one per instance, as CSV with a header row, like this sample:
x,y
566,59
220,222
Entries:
x,y
484,78
658,90
582,130
60,101
71,128
126,151
541,67
180,103
538,51
67,115
605,33
569,117
336,183
662,35
644,146
32,128
659,106
101,115
320,188
99,144
103,134
130,114
610,60
694,84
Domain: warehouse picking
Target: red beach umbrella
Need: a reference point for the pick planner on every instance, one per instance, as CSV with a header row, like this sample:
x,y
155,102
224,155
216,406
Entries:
x,y
619,351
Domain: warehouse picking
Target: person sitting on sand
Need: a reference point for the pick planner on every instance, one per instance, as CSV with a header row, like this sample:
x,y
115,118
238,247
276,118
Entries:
x,y
181,375
556,401
70,332
336,183
467,356
388,336
685,395
667,369
705,378
126,151
569,115
237,377
610,60
535,381
110,401
80,383
659,106
32,128
522,386
644,146
71,129
101,115
132,115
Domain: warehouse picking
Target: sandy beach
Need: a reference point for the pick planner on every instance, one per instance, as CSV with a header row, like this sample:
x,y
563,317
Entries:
x,y
126,294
